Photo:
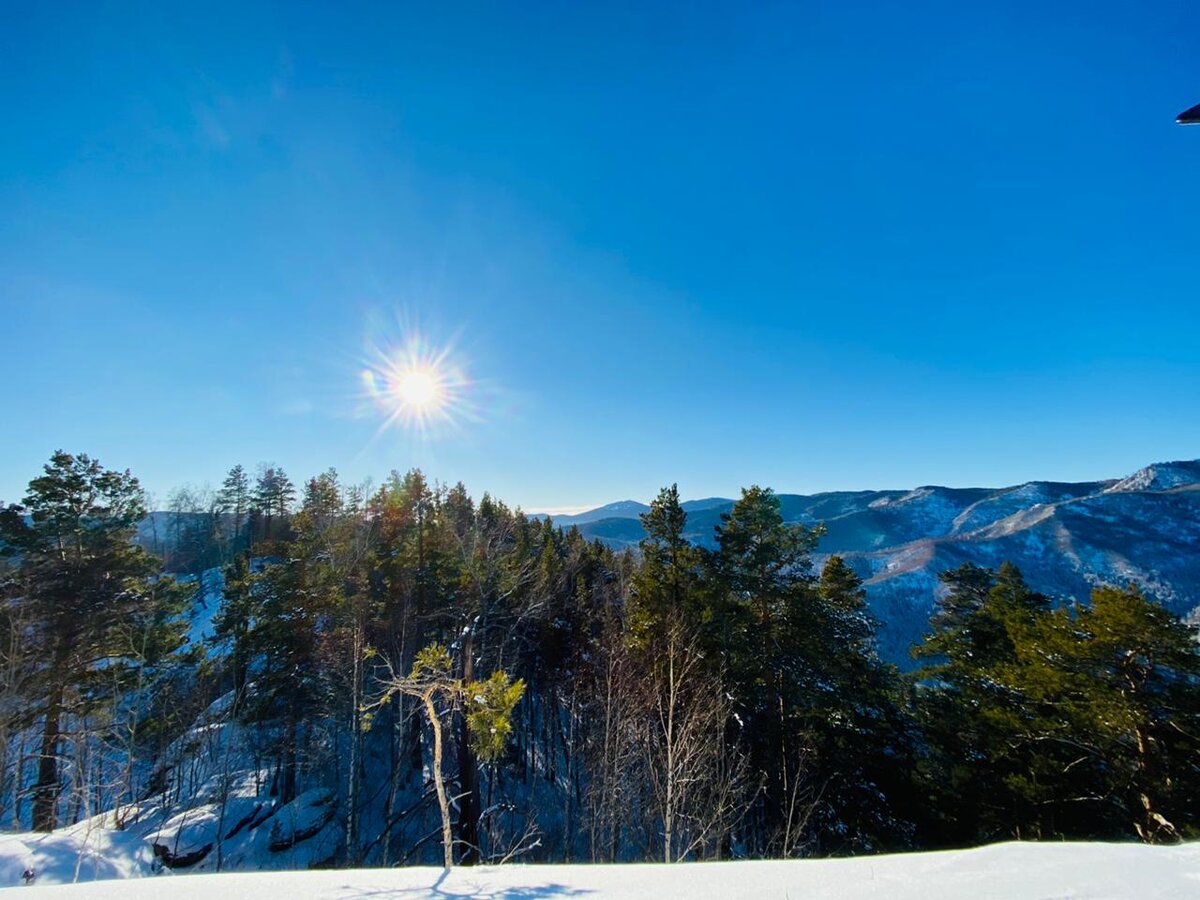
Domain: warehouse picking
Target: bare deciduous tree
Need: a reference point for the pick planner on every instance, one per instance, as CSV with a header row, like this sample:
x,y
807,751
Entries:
x,y
698,782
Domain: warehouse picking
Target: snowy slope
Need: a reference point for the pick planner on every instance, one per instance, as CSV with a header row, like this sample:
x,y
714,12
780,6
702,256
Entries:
x,y
1161,476
205,604
622,509
215,809
1000,871
83,852
1065,537
1064,548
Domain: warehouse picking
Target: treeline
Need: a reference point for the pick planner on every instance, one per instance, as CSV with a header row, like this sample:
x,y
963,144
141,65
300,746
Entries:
x,y
201,528
671,703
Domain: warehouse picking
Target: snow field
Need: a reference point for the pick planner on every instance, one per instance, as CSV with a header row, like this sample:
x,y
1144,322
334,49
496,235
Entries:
x,y
1013,870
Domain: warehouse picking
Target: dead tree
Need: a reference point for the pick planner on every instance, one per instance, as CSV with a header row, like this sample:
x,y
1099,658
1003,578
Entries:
x,y
698,781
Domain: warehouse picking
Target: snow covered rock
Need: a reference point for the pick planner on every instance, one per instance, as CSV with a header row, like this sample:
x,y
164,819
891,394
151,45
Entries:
x,y
301,819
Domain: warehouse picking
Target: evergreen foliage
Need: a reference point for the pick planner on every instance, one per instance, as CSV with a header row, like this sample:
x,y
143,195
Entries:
x,y
670,703
96,613
1078,721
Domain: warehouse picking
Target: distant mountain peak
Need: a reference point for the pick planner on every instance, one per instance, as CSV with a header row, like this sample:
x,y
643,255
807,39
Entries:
x,y
1160,477
621,509
1066,537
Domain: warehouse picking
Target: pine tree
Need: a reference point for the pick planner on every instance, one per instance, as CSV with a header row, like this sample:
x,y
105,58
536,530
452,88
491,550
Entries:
x,y
487,582
865,747
19,668
404,594
234,500
695,778
1077,721
764,568
1122,679
331,537
274,495
666,589
87,589
956,631
234,620
986,779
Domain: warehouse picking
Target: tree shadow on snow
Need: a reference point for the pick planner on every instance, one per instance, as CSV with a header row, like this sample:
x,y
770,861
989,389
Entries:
x,y
56,861
519,892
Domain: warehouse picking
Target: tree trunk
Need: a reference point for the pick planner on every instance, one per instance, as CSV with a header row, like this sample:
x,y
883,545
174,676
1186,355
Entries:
x,y
669,806
572,773
1152,827
468,770
401,727
443,804
45,792
352,799
287,790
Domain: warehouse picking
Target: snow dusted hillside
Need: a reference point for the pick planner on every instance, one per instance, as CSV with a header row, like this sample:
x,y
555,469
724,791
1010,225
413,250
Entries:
x,y
1161,477
1065,537
1144,529
1012,870
213,810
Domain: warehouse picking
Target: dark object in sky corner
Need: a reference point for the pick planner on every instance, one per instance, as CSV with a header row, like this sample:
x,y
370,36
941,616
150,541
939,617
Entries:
x,y
1190,116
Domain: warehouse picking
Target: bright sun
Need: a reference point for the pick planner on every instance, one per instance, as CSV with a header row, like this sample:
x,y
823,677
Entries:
x,y
418,388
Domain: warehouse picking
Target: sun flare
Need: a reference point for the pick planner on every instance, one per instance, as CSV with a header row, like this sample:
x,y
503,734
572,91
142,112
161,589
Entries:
x,y
417,387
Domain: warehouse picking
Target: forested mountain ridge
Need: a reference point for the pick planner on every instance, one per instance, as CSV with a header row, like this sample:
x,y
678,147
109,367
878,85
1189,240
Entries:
x,y
338,675
1065,537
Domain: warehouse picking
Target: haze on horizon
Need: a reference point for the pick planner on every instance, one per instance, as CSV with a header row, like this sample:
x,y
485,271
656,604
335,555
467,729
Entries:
x,y
812,247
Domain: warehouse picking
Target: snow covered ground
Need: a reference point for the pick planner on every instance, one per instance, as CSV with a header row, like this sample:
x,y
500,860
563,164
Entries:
x,y
1015,870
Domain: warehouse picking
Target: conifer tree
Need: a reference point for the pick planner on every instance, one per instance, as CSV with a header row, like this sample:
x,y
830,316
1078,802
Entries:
x,y
695,777
1119,679
864,746
666,589
982,776
1077,721
764,568
274,495
487,582
234,500
404,593
84,585
302,607
234,621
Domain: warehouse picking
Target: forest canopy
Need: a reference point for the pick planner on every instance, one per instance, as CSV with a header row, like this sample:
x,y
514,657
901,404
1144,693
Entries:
x,y
567,700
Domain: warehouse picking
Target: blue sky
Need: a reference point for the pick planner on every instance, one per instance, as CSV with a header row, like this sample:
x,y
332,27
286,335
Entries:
x,y
811,245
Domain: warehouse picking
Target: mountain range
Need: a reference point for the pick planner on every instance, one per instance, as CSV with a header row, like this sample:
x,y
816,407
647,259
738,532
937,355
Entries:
x,y
1065,537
